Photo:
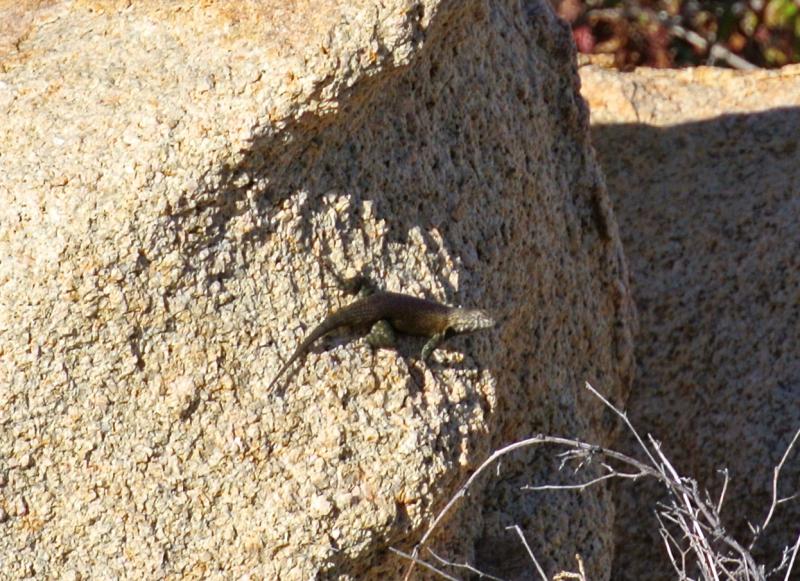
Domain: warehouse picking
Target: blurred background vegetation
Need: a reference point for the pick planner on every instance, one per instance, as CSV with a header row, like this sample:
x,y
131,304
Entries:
x,y
679,33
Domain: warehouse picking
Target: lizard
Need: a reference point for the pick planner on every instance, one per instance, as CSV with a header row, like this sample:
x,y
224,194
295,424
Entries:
x,y
390,311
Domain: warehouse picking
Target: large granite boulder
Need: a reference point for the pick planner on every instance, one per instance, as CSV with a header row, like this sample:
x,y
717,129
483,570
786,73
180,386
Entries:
x,y
179,187
703,166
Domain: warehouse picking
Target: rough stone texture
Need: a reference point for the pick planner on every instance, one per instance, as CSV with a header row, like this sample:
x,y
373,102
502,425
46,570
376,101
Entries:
x,y
173,180
703,166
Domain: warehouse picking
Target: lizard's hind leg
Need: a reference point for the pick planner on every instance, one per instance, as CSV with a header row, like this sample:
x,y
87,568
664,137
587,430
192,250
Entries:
x,y
381,335
432,344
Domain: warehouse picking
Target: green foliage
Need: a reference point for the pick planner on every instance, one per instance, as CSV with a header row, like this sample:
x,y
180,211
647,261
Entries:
x,y
670,33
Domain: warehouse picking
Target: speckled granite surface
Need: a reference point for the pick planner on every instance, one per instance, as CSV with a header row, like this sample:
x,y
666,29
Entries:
x,y
172,179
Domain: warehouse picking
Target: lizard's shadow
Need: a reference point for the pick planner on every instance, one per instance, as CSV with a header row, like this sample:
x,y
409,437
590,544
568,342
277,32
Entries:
x,y
407,347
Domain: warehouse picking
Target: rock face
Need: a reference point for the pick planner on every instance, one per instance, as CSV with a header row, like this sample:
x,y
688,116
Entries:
x,y
709,207
178,188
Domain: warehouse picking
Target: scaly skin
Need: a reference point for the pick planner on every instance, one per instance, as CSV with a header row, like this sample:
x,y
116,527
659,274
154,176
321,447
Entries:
x,y
406,314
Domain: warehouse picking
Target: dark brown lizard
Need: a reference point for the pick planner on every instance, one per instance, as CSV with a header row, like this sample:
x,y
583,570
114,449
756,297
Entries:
x,y
404,313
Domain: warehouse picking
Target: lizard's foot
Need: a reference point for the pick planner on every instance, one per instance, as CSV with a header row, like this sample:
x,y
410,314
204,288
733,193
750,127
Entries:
x,y
431,345
360,284
381,335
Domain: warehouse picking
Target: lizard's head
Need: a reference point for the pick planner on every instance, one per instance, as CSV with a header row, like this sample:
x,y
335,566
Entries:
x,y
469,320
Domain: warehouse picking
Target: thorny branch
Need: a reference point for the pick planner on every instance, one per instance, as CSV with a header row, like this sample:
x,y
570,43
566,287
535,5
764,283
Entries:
x,y
702,541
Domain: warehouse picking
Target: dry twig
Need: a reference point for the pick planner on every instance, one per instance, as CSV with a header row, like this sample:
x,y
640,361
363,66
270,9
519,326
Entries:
x,y
466,566
566,575
530,551
702,541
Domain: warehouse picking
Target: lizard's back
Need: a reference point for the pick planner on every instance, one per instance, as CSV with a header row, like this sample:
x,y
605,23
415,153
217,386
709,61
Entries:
x,y
407,314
